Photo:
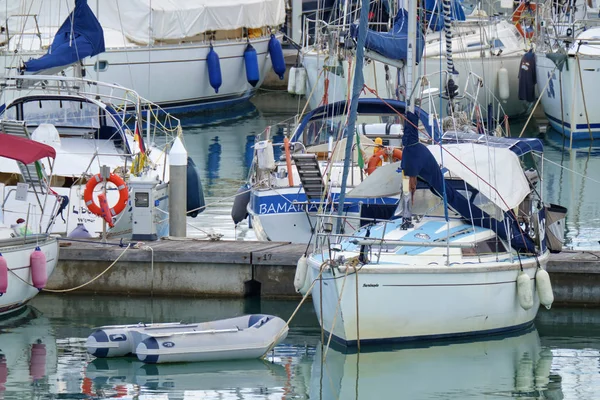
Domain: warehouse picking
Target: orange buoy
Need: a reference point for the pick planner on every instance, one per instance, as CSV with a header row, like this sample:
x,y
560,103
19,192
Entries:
x,y
89,192
37,262
376,159
3,275
528,8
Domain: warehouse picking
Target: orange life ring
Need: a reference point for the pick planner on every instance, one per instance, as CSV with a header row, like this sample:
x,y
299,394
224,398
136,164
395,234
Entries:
x,y
378,156
516,19
95,208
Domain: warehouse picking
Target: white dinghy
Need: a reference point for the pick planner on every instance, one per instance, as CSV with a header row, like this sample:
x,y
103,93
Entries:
x,y
248,336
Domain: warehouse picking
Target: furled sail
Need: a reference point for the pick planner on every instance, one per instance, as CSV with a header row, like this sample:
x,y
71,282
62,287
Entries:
x,y
80,36
392,44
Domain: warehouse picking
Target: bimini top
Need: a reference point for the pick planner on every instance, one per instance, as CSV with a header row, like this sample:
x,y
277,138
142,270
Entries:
x,y
519,146
365,106
24,150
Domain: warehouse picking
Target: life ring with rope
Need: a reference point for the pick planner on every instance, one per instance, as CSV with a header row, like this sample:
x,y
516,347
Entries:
x,y
529,9
97,209
376,159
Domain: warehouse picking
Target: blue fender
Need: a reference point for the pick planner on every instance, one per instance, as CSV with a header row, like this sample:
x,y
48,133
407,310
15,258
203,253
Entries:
x,y
276,54
251,61
214,69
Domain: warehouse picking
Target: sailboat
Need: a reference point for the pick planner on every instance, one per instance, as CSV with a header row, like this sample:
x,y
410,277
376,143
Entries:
x,y
466,256
567,57
27,259
180,55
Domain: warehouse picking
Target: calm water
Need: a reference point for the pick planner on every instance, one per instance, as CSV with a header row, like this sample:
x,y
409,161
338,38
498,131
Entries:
x,y
221,145
42,356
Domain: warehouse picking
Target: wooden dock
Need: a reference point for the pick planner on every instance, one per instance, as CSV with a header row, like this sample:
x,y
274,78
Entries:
x,y
189,267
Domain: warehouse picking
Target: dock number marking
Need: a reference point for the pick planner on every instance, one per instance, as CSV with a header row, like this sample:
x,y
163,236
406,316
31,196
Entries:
x,y
266,256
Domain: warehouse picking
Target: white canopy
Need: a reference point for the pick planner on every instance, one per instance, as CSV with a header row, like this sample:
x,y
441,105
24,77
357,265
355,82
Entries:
x,y
494,171
146,21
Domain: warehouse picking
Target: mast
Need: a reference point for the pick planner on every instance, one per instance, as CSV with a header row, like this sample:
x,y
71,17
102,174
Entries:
x,y
357,87
410,55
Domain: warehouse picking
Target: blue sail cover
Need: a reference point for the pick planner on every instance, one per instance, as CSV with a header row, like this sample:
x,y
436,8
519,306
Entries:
x,y
392,44
80,36
417,160
435,15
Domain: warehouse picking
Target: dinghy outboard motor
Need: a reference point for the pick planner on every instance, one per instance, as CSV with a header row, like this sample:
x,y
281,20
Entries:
x,y
195,193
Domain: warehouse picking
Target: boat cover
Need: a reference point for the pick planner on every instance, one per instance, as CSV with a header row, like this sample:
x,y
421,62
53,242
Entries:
x,y
79,36
495,172
392,44
417,160
519,146
147,21
24,150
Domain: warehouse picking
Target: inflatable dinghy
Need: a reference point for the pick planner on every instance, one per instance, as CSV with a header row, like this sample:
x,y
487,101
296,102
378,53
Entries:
x,y
245,337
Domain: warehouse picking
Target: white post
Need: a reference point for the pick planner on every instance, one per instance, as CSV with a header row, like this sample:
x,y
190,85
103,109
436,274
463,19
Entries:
x,y
297,21
177,189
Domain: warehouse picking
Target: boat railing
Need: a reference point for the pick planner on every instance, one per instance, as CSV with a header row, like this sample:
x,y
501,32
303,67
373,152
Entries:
x,y
329,236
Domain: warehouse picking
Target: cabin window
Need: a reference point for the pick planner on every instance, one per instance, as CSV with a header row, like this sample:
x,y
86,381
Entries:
x,y
486,247
10,114
61,113
101,66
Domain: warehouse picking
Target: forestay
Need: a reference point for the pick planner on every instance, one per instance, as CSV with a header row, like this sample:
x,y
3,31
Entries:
x,y
494,171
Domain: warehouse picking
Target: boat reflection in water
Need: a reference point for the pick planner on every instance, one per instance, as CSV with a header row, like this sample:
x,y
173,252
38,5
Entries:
x,y
27,354
499,367
105,375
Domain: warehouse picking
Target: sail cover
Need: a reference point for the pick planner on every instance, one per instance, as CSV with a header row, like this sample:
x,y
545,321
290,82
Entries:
x,y
79,36
392,44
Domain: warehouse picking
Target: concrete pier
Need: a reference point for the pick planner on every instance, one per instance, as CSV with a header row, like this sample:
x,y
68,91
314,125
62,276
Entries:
x,y
187,267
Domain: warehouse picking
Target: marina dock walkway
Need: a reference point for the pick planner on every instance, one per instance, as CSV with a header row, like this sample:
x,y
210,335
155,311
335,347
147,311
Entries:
x,y
187,267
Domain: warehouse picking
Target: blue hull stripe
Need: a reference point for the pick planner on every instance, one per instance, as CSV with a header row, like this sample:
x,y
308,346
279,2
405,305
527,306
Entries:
x,y
412,339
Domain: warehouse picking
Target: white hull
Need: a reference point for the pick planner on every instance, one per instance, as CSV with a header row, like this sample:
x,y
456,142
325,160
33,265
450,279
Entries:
x,y
422,302
173,76
17,257
572,111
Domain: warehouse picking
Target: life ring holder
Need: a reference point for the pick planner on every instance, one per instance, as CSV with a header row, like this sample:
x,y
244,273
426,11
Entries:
x,y
89,191
396,155
516,18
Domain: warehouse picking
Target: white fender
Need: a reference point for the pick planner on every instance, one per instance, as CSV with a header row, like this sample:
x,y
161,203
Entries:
x,y
503,84
300,86
300,276
524,291
292,81
544,288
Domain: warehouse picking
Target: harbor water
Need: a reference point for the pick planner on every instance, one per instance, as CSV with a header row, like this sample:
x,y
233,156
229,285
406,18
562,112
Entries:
x,y
42,356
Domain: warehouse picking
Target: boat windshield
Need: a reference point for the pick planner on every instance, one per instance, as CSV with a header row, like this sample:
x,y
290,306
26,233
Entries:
x,y
60,113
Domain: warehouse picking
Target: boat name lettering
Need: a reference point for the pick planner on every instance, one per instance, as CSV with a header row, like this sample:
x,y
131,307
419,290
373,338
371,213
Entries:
x,y
117,337
280,208
423,236
370,284
168,344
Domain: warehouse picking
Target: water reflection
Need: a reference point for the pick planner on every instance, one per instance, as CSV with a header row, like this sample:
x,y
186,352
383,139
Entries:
x,y
571,181
28,354
500,367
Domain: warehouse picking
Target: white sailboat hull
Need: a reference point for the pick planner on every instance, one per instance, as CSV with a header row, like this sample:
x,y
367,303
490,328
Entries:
x,y
571,111
17,255
173,76
403,303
